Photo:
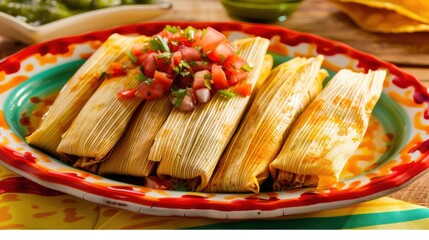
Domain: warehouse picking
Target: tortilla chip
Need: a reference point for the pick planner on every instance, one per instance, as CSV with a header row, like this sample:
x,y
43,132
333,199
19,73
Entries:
x,y
384,16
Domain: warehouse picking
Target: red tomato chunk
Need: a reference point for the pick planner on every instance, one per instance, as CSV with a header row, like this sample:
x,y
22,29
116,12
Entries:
x,y
188,64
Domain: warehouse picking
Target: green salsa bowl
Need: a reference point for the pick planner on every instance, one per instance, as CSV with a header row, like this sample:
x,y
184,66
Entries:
x,y
264,11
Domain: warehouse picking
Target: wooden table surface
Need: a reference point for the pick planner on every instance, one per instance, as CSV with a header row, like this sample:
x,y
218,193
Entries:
x,y
408,51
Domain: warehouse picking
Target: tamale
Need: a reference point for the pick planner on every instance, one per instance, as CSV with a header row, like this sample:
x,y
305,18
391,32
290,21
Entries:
x,y
129,156
286,93
76,93
328,131
102,120
265,71
189,144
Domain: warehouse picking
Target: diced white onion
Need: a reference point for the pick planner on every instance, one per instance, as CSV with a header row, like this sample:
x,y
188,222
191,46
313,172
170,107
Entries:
x,y
203,95
187,104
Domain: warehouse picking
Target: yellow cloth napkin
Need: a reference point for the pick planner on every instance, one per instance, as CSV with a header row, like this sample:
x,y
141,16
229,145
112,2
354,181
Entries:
x,y
27,205
388,16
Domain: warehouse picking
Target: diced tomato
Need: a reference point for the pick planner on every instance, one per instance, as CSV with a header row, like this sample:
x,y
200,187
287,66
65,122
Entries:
x,y
127,94
159,87
165,34
241,76
234,64
199,78
201,65
177,57
116,69
162,79
148,63
137,49
244,89
210,39
190,54
151,91
231,78
197,36
221,52
164,65
219,77
182,41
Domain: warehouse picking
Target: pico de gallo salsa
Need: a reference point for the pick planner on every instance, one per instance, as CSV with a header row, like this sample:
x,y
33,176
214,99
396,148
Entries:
x,y
190,65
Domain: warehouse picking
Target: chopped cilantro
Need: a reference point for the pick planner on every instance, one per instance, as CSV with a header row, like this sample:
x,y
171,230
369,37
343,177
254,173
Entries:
x,y
185,64
144,49
125,65
182,68
154,45
176,69
226,94
143,78
159,44
171,29
103,75
247,67
165,57
207,84
131,56
208,76
193,63
190,33
203,32
178,95
162,44
222,58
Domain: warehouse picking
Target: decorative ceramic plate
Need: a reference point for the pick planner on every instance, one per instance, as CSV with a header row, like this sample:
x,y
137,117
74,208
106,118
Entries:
x,y
14,28
394,152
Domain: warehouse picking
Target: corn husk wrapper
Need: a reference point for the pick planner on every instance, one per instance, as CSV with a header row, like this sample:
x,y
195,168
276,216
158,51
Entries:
x,y
328,131
129,156
189,144
388,16
267,65
76,93
286,93
102,120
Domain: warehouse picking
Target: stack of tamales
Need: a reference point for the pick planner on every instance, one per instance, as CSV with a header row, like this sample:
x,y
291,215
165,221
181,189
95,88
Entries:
x,y
189,144
328,131
77,91
285,94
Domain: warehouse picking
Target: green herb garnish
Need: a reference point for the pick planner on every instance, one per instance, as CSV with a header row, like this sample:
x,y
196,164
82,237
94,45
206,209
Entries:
x,y
159,44
165,57
208,76
207,84
226,94
190,33
143,78
131,56
171,29
182,68
103,75
162,44
247,68
178,95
